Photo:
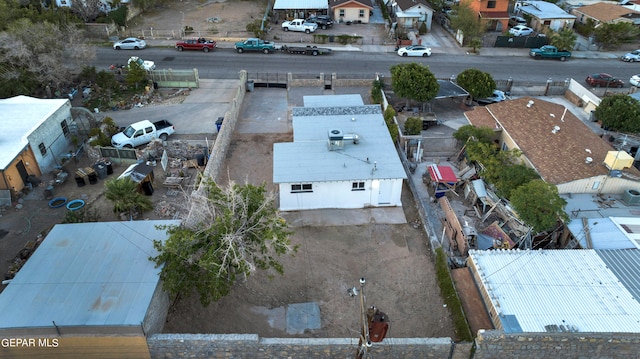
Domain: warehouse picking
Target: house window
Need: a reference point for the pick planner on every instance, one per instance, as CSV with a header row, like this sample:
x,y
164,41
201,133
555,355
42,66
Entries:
x,y
504,147
357,186
361,13
301,188
341,14
43,149
65,128
491,4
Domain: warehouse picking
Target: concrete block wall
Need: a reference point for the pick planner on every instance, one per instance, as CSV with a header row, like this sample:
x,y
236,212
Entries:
x,y
496,344
156,315
251,346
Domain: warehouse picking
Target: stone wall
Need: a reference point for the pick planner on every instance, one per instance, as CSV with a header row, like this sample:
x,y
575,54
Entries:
x,y
251,346
496,344
198,211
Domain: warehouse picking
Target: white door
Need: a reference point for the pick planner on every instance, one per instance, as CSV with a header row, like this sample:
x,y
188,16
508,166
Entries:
x,y
384,192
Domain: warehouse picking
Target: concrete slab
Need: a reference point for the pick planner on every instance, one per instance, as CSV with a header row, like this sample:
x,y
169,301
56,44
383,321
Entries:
x,y
303,316
345,217
264,110
276,317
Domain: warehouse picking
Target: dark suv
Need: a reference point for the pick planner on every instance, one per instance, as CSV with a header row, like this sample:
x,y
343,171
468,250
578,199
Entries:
x,y
323,21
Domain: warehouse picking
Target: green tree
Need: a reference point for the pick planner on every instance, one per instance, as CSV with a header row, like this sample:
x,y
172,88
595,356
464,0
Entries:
x,y
136,75
244,233
467,21
124,194
539,205
479,84
389,113
414,81
413,126
619,112
376,91
481,134
564,39
610,36
511,177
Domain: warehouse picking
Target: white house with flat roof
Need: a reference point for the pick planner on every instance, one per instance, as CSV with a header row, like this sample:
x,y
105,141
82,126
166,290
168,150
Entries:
x,y
342,156
34,133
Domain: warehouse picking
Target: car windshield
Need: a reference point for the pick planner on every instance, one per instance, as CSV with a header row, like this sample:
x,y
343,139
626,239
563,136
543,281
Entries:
x,y
129,131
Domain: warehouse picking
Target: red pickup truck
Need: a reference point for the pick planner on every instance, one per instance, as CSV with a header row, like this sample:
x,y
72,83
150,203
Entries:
x,y
196,44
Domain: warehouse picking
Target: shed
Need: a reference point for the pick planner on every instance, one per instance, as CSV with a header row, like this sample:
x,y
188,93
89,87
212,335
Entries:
x,y
90,288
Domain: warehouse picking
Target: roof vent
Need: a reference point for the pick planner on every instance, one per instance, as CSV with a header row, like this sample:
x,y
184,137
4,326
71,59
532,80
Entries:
x,y
530,103
555,130
588,160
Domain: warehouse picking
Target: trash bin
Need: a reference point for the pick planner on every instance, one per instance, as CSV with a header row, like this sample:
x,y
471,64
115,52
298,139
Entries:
x,y
331,38
101,170
93,178
249,85
219,123
109,168
80,181
200,159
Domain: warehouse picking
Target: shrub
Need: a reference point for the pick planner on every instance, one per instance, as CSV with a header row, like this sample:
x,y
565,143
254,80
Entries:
x,y
413,126
376,91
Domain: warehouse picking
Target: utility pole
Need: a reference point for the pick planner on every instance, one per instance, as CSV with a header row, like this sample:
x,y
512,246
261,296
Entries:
x,y
365,342
373,322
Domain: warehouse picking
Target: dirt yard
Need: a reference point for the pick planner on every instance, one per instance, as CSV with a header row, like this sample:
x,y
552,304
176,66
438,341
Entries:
x,y
394,259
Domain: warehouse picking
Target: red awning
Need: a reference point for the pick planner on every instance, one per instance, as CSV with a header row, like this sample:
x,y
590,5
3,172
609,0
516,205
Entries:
x,y
442,174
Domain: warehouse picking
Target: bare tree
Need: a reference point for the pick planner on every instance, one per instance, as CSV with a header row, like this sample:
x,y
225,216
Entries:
x,y
88,10
43,52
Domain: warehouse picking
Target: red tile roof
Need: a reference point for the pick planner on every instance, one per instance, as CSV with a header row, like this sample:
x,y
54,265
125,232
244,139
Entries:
x,y
558,158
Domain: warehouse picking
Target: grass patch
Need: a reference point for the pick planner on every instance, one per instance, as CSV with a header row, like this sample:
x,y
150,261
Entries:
x,y
451,299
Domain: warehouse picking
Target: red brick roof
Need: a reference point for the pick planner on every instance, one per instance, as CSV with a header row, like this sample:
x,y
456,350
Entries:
x,y
558,158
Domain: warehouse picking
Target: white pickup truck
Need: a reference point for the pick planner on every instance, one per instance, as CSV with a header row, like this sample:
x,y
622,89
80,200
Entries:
x,y
299,25
141,133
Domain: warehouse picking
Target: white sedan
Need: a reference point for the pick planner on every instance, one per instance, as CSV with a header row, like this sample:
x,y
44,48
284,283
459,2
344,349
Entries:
x,y
521,30
130,43
635,80
415,50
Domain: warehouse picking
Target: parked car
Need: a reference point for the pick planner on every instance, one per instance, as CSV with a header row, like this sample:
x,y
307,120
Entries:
x,y
603,80
141,133
299,25
415,50
323,21
633,56
145,64
200,44
130,43
635,80
549,52
497,96
521,30
254,44
517,20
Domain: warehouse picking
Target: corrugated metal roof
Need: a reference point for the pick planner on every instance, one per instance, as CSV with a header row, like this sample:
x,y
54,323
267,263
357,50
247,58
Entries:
x,y
308,158
87,274
545,10
21,115
606,219
300,4
555,290
626,267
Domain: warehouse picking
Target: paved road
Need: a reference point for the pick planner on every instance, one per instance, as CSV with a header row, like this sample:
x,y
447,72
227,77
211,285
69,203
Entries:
x,y
224,63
